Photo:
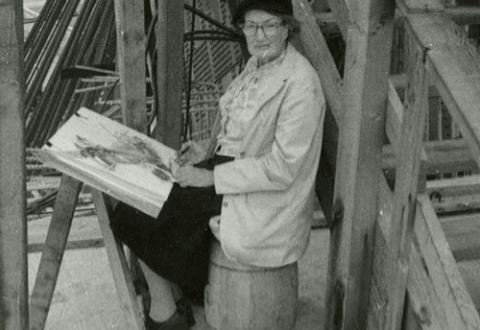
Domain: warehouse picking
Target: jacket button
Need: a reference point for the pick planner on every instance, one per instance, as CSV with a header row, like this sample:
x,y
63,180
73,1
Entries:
x,y
242,153
225,204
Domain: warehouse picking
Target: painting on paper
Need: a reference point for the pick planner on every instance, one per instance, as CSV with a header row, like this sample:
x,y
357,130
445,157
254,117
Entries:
x,y
114,159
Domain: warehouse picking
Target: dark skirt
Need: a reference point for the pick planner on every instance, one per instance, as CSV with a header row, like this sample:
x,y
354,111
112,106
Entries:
x,y
175,244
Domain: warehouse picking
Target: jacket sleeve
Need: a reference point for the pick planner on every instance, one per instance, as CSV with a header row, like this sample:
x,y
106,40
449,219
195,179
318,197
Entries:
x,y
298,120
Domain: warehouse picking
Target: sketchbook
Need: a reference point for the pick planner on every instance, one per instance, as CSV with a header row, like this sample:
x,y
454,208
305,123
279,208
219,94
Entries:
x,y
114,159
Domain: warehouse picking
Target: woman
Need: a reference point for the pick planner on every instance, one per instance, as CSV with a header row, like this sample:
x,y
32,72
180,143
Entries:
x,y
264,168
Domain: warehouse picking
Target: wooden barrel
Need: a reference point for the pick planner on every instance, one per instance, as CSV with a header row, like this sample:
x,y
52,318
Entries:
x,y
244,297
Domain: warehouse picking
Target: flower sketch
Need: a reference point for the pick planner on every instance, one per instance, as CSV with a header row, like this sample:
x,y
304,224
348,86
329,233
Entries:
x,y
126,150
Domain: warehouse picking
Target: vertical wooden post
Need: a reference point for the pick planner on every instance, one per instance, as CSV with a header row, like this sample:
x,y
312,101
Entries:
x,y
359,163
406,184
129,18
131,57
13,224
170,72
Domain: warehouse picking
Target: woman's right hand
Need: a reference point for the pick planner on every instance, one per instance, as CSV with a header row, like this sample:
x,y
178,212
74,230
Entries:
x,y
191,153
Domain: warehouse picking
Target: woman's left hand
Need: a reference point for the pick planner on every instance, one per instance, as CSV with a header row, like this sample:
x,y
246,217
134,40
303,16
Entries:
x,y
189,176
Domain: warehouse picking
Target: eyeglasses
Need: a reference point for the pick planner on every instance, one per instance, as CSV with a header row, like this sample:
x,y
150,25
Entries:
x,y
269,29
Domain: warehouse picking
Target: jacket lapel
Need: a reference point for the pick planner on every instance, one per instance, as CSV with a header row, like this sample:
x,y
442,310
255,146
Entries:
x,y
276,79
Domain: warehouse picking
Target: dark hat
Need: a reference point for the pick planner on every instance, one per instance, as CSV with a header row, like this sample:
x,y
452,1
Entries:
x,y
279,7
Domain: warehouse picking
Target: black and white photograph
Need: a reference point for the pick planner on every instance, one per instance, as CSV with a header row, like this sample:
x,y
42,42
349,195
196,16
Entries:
x,y
240,164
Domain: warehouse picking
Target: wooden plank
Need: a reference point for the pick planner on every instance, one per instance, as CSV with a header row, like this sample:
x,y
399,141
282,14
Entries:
x,y
384,204
415,6
406,185
84,232
460,14
129,20
394,106
358,167
455,186
422,298
423,310
455,66
316,50
420,293
13,229
464,15
450,206
52,255
444,156
441,266
118,264
394,116
379,291
170,72
71,245
394,120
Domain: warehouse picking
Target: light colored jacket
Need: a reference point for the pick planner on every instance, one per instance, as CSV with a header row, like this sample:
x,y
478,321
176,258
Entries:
x,y
269,188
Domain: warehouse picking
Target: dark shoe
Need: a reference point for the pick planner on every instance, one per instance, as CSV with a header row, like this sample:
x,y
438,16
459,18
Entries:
x,y
185,309
175,322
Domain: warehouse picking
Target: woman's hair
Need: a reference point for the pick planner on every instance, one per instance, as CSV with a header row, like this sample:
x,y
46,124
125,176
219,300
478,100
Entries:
x,y
292,23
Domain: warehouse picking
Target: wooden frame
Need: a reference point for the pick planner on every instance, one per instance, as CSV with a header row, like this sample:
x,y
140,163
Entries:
x,y
13,224
436,297
423,293
406,186
170,72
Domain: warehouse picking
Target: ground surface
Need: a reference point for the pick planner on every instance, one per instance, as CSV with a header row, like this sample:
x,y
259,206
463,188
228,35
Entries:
x,y
85,297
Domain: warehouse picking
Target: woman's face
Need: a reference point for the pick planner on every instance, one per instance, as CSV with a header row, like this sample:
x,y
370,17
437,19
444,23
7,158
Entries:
x,y
266,35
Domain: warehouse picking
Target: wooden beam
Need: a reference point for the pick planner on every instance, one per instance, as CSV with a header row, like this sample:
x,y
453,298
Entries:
x,y
394,106
394,120
412,6
455,186
316,50
406,185
118,264
13,223
379,297
129,18
454,65
71,245
170,72
464,15
358,166
52,255
423,311
442,268
434,250
444,156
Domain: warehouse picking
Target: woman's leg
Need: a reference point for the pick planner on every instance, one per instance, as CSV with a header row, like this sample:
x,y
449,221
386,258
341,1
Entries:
x,y
162,301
